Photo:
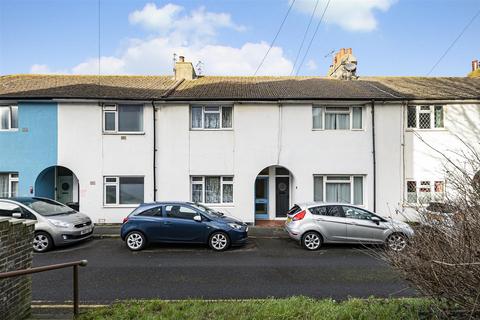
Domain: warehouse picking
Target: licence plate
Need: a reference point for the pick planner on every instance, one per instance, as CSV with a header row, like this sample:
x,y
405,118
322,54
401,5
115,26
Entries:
x,y
86,231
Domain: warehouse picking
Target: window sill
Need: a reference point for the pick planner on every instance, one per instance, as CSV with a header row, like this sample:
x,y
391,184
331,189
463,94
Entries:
x,y
8,130
342,130
106,133
426,130
218,205
200,130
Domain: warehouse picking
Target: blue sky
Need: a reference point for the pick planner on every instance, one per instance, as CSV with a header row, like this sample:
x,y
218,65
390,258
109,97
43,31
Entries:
x,y
388,37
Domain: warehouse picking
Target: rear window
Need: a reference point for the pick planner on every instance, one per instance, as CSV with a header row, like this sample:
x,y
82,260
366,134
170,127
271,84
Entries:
x,y
155,211
295,209
322,211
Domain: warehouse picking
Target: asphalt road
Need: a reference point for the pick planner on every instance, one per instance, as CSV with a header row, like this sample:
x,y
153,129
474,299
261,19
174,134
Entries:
x,y
263,268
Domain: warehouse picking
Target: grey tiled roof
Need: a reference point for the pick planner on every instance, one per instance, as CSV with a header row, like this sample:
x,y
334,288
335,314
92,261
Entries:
x,y
235,88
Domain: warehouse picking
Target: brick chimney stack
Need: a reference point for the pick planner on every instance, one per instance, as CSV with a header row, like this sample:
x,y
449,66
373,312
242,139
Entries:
x,y
344,65
475,65
184,70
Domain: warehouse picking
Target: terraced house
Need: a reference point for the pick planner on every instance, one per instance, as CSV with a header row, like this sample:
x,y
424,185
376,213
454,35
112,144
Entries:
x,y
250,146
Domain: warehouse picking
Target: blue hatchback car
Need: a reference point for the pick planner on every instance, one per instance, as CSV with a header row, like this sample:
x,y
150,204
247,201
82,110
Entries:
x,y
181,222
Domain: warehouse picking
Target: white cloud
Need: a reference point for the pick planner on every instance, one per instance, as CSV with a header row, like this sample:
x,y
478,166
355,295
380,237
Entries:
x,y
351,15
193,34
311,64
43,68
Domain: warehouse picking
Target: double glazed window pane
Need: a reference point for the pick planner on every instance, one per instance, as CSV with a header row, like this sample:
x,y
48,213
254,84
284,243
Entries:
x,y
412,117
358,190
4,185
318,188
197,117
438,116
130,118
109,121
356,118
111,194
338,192
4,118
227,193
197,193
317,117
424,120
212,189
131,190
337,121
227,117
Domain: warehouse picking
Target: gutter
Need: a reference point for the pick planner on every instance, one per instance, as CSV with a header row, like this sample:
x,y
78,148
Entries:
x,y
374,159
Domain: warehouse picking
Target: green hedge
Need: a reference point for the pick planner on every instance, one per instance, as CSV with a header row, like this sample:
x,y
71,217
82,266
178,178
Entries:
x,y
295,308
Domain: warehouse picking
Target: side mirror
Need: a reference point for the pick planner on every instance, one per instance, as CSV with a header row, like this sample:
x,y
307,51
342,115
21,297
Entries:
x,y
376,220
198,218
17,215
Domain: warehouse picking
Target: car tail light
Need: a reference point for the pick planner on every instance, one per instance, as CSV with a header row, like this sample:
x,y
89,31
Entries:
x,y
299,216
125,220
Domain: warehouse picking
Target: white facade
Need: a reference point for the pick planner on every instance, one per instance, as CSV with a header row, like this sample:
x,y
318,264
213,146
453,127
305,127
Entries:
x,y
263,135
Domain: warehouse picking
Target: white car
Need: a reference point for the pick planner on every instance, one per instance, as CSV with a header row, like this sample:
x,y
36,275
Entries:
x,y
316,223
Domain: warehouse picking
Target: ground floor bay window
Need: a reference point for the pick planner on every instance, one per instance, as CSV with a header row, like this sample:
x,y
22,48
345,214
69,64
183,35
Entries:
x,y
212,189
8,185
123,191
338,188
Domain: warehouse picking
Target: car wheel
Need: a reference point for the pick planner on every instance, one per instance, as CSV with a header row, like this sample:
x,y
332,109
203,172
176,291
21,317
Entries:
x,y
42,241
396,242
219,241
135,241
311,240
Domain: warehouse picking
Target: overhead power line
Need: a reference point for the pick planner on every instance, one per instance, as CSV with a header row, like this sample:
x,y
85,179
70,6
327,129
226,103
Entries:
x,y
454,41
275,38
304,36
313,37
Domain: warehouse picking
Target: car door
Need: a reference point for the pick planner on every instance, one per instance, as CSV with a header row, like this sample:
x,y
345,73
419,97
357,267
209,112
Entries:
x,y
330,221
152,222
180,226
360,227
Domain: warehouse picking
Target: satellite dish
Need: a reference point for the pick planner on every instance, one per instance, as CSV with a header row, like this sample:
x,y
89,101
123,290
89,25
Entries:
x,y
350,66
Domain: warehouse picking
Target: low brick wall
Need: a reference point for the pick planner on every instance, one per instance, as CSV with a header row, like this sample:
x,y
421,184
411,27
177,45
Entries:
x,y
16,237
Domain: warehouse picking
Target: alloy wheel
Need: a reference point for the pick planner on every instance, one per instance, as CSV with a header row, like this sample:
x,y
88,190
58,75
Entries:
x,y
40,242
396,242
219,241
312,241
134,241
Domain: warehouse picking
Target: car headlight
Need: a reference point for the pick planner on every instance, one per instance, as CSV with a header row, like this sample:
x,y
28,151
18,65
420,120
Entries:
x,y
235,226
60,224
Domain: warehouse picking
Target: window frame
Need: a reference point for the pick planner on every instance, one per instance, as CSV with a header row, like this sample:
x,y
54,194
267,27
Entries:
x,y
433,196
350,180
12,177
431,112
200,180
116,183
114,108
220,112
10,118
324,110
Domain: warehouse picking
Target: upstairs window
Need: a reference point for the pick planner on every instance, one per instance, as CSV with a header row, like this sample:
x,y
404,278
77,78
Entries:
x,y
211,117
8,118
8,185
425,117
336,188
337,118
122,118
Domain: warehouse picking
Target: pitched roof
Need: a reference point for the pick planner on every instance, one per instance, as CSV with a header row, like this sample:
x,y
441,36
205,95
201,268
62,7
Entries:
x,y
235,88
85,87
448,88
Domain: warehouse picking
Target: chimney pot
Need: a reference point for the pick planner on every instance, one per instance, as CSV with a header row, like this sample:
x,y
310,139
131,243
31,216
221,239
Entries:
x,y
474,65
181,59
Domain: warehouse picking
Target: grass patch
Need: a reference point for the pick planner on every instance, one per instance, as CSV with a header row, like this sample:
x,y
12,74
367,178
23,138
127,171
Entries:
x,y
278,309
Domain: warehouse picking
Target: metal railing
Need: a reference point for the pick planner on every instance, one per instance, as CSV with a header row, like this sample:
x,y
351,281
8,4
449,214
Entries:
x,y
74,264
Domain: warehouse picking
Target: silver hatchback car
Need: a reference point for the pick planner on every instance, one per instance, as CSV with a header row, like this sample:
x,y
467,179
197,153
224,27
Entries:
x,y
57,224
315,223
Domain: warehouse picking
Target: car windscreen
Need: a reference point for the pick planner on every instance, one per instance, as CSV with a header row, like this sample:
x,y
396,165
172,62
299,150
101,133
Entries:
x,y
208,211
47,207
